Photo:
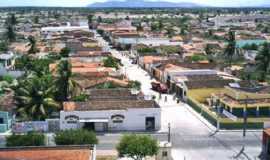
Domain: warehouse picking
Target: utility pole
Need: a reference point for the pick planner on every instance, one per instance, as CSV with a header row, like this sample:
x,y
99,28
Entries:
x,y
244,127
218,116
169,132
245,117
245,122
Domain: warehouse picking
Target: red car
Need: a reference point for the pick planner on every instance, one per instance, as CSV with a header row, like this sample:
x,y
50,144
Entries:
x,y
159,87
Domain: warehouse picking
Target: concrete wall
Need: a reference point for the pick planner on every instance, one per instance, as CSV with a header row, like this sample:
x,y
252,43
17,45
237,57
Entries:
x,y
134,118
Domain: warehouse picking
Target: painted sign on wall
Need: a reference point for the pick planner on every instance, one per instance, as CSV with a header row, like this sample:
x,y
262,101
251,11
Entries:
x,y
24,127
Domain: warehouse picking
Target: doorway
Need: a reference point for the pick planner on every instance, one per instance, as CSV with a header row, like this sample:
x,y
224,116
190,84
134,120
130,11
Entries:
x,y
150,123
89,126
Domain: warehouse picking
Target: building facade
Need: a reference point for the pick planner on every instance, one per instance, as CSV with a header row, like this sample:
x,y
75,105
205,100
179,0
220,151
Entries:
x,y
114,118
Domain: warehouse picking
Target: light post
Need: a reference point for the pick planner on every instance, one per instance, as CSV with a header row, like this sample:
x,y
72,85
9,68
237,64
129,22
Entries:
x,y
169,132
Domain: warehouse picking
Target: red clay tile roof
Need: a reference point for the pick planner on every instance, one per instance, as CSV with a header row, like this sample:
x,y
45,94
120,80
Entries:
x,y
47,153
99,105
267,131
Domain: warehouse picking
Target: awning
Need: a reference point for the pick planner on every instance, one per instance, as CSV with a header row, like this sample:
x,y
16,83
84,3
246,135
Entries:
x,y
94,120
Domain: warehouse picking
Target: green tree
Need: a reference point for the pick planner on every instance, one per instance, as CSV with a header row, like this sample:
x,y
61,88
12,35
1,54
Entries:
x,y
8,78
170,32
10,33
65,52
36,19
30,139
209,51
11,20
35,97
263,60
160,25
64,83
230,50
154,27
33,65
75,137
3,46
99,19
33,45
111,62
90,20
196,58
80,98
137,146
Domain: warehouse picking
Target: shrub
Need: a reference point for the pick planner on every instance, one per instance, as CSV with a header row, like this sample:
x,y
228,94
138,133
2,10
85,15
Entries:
x,y
134,85
75,137
8,78
197,58
80,98
30,139
111,62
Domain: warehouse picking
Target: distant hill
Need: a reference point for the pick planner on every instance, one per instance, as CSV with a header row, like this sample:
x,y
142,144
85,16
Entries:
x,y
143,4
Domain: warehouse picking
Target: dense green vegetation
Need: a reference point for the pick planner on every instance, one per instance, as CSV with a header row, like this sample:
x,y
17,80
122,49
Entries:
x,y
75,137
29,139
111,62
35,97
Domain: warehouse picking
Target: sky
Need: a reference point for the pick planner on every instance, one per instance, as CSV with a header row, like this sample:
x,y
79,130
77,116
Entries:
x,y
82,3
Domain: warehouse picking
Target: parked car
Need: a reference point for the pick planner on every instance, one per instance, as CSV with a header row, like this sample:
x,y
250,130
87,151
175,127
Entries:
x,y
159,87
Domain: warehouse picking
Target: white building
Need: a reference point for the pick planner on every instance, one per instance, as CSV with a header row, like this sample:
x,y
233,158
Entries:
x,y
111,115
7,60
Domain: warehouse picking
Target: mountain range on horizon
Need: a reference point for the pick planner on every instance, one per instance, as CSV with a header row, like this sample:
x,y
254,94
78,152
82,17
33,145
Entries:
x,y
153,4
143,4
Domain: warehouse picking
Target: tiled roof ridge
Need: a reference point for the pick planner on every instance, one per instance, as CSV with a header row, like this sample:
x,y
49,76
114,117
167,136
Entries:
x,y
58,147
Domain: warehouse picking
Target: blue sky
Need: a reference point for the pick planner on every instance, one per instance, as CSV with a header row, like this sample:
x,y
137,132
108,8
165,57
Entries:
x,y
80,3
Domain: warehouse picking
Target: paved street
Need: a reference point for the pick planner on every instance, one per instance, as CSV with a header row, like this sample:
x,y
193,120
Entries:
x,y
110,140
193,137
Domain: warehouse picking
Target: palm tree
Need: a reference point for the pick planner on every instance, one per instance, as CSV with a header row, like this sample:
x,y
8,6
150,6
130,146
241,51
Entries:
x,y
230,50
35,98
10,33
33,45
263,60
10,28
11,20
64,84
